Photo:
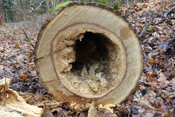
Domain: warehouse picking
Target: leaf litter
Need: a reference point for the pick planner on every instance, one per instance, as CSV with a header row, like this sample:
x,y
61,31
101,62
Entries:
x,y
154,24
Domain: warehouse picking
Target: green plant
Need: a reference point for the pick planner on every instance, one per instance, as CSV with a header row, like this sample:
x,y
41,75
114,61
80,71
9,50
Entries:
x,y
150,29
116,6
2,25
60,5
105,2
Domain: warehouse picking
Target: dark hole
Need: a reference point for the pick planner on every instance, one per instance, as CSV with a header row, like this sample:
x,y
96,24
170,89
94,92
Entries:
x,y
90,49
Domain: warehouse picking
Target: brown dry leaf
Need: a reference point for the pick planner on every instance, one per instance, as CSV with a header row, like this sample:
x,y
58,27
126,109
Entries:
x,y
17,45
108,114
48,114
62,113
163,82
144,102
22,77
83,114
16,102
28,97
1,48
33,73
39,98
1,70
152,61
172,82
136,115
169,113
46,111
1,67
7,112
152,79
152,83
20,57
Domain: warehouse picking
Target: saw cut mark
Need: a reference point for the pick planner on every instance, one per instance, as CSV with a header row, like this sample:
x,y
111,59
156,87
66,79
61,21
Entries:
x,y
125,33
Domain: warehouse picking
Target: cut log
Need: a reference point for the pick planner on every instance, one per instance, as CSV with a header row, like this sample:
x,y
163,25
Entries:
x,y
87,52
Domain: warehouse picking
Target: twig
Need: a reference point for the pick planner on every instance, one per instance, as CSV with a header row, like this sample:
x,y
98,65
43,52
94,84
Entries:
x,y
36,21
40,4
145,26
21,86
5,93
27,38
17,62
34,12
23,66
166,14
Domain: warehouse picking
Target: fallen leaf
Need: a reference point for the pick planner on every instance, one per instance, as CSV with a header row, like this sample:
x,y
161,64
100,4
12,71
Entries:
x,y
108,114
1,70
134,110
17,45
152,61
33,73
1,48
163,82
20,57
22,77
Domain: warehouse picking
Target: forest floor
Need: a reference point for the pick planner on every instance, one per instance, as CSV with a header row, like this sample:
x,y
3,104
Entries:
x,y
154,24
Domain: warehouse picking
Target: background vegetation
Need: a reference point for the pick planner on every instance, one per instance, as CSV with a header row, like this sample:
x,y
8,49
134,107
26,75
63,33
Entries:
x,y
20,10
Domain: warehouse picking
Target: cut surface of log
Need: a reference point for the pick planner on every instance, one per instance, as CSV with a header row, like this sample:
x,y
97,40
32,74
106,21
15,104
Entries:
x,y
87,52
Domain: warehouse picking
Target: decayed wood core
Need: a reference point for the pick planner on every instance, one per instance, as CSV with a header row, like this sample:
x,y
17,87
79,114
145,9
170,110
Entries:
x,y
91,71
88,63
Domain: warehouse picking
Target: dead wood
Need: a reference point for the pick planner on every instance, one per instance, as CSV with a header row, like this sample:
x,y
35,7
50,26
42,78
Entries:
x,y
88,53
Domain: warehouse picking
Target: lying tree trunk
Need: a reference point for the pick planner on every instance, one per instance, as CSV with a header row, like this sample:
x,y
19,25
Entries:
x,y
87,52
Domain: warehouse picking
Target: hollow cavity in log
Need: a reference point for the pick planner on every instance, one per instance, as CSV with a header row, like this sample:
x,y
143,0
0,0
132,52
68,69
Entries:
x,y
90,64
92,67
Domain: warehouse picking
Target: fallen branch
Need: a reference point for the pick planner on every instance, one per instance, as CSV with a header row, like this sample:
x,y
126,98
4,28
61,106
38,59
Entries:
x,y
17,62
33,10
5,90
40,4
28,39
21,86
36,21
35,15
23,66
168,12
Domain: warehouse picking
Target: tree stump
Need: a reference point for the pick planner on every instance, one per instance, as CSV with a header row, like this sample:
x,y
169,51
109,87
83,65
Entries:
x,y
87,52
